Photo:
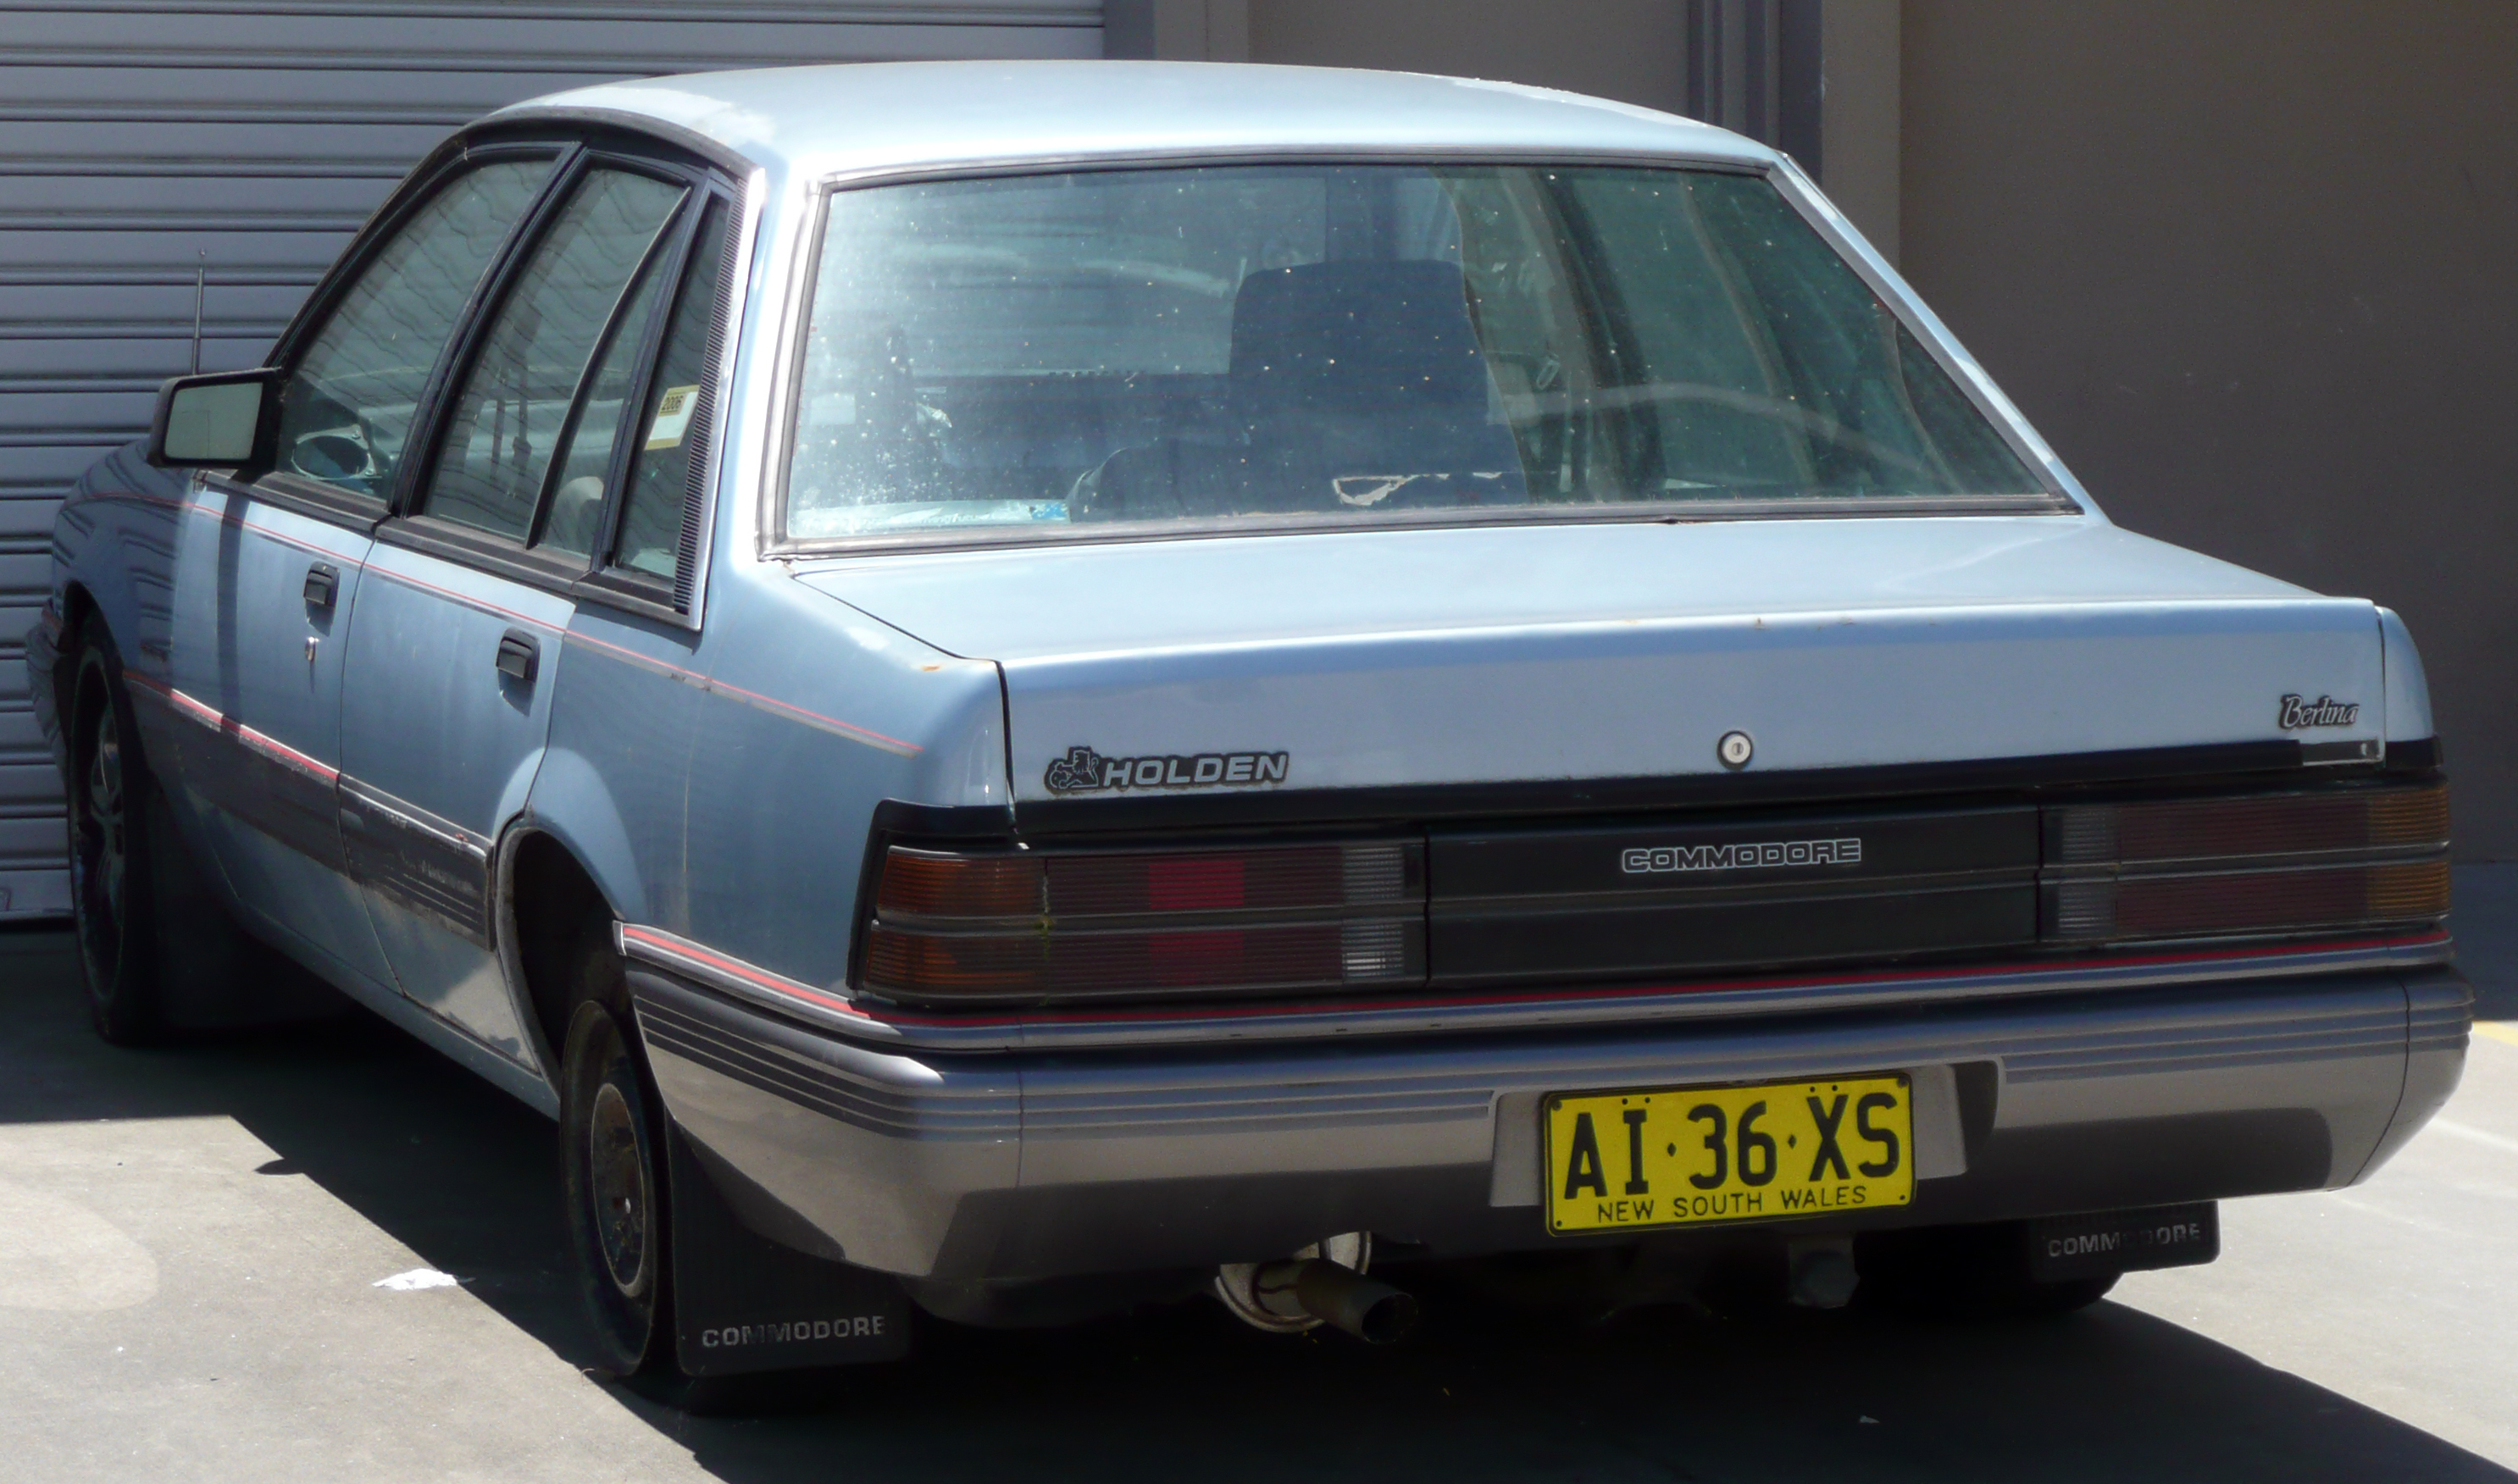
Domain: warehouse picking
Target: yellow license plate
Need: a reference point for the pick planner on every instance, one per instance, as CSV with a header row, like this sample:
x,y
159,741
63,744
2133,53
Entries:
x,y
1673,1157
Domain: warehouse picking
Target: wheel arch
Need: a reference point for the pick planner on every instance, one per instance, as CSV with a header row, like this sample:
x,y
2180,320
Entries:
x,y
54,691
567,850
544,889
78,606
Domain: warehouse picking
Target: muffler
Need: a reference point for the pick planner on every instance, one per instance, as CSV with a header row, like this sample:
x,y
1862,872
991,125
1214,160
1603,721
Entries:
x,y
1322,1284
1368,1308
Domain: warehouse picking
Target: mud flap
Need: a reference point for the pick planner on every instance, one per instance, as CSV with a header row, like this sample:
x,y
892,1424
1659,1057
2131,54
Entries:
x,y
2107,1243
744,1303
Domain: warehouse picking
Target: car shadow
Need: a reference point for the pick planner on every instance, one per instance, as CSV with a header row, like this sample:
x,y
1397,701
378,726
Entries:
x,y
465,1176
2485,924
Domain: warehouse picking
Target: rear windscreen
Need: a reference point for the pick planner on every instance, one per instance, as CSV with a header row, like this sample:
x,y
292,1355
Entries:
x,y
1353,344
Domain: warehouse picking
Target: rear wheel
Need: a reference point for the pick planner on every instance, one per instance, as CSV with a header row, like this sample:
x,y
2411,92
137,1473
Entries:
x,y
612,1160
618,1188
619,1202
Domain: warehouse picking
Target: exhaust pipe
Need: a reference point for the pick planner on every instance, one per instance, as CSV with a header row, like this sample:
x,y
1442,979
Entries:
x,y
1368,1308
1322,1284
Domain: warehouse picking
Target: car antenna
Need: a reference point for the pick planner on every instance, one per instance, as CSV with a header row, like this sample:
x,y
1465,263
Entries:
x,y
201,290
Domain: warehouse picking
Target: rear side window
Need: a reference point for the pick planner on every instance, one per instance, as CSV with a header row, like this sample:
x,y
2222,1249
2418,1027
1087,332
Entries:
x,y
575,520
675,428
505,424
346,409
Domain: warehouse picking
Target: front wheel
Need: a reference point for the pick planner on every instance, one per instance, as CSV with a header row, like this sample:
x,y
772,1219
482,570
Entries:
x,y
112,877
159,950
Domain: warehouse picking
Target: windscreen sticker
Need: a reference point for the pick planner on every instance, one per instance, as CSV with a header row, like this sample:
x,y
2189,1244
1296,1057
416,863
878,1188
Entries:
x,y
673,418
1085,771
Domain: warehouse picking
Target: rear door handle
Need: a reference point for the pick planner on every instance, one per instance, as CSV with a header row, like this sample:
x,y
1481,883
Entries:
x,y
322,586
519,655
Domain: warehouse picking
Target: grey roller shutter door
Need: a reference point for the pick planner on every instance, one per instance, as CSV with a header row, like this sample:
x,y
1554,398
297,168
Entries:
x,y
159,156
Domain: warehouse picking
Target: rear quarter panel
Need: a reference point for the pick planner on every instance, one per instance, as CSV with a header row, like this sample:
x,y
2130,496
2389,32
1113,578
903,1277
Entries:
x,y
812,715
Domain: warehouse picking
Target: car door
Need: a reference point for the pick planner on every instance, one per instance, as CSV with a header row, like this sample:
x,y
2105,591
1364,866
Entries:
x,y
624,716
268,570
453,657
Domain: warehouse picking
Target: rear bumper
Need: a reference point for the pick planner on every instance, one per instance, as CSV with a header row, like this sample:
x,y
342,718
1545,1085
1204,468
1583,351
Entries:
x,y
1038,1164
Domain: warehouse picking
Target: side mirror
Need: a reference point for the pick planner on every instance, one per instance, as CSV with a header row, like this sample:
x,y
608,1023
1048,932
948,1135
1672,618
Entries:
x,y
223,420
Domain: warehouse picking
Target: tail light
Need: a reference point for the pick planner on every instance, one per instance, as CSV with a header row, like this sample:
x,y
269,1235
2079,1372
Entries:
x,y
2261,864
1080,926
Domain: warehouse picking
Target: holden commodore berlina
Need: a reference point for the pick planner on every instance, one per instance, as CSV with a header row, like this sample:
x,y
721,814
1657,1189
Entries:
x,y
1014,687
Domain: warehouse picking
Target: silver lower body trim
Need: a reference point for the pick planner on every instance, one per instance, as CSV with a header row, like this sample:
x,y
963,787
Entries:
x,y
1011,1167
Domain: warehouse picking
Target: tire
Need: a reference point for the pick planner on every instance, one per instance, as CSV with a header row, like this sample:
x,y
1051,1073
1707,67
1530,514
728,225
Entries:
x,y
616,1179
1966,1273
160,953
613,1171
113,806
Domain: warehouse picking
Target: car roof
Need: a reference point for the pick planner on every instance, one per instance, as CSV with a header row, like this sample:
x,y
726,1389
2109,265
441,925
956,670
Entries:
x,y
874,116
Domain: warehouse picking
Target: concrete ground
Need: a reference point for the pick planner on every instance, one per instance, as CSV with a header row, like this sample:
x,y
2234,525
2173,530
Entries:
x,y
192,1240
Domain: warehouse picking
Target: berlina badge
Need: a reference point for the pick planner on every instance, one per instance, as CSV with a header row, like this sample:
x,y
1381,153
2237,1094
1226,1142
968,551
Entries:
x,y
2298,715
1085,771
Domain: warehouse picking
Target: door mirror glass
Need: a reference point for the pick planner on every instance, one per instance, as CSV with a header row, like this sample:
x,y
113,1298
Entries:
x,y
217,421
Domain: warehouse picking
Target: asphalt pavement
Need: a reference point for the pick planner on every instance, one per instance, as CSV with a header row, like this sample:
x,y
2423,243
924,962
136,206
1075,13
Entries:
x,y
196,1242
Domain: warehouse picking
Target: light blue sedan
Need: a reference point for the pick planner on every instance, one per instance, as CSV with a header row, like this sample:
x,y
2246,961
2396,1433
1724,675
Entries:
x,y
1018,688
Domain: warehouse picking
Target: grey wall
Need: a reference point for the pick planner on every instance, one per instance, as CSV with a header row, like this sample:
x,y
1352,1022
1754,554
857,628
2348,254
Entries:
x,y
168,161
1631,49
2253,269
1862,114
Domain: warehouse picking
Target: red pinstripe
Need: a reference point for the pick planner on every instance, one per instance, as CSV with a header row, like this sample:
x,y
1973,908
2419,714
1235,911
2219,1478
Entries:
x,y
218,721
735,968
754,699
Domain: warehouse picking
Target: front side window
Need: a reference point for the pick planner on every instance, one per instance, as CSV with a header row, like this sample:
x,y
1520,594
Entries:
x,y
346,409
505,423
1354,342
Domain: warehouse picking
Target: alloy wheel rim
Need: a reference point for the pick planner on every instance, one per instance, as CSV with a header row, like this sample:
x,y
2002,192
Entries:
x,y
616,1163
103,859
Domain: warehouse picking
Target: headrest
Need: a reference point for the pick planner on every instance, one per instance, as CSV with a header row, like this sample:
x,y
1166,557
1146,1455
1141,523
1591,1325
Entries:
x,y
1359,335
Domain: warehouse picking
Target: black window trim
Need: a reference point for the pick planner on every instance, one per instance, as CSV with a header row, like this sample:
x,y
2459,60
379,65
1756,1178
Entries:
x,y
560,135
470,546
404,525
604,573
679,595
331,502
663,258
481,317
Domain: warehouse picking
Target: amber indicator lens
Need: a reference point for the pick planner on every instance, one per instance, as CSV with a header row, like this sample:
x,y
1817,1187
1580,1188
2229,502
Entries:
x,y
925,883
958,966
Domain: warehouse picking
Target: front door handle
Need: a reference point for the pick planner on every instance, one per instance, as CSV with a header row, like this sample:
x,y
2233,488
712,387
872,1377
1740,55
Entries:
x,y
322,586
519,655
